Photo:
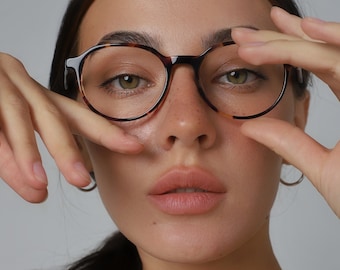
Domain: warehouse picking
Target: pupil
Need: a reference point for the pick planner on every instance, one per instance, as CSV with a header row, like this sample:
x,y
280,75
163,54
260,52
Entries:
x,y
129,82
237,77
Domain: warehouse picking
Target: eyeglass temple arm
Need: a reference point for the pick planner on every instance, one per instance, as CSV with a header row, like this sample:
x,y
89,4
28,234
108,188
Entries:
x,y
300,75
71,64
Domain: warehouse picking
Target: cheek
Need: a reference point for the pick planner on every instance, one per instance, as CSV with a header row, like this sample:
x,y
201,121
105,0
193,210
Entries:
x,y
121,183
255,176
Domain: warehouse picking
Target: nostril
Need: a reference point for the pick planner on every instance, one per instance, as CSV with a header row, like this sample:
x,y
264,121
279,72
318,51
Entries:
x,y
171,139
202,139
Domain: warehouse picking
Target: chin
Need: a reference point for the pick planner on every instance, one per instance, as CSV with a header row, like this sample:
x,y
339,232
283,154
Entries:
x,y
193,242
187,254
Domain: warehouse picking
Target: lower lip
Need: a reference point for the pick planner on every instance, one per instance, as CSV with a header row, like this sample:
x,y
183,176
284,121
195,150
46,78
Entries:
x,y
187,203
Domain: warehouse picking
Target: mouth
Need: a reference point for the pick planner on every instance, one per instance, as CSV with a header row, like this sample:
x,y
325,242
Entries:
x,y
187,191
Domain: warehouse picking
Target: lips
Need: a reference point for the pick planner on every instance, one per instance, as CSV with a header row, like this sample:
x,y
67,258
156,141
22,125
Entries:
x,y
187,191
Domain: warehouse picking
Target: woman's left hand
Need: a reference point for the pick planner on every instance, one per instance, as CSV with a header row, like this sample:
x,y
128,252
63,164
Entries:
x,y
313,45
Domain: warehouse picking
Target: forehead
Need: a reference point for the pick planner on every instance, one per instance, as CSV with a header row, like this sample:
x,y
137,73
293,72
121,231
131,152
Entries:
x,y
179,26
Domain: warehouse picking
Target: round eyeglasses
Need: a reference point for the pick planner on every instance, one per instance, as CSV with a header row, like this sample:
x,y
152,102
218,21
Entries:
x,y
125,82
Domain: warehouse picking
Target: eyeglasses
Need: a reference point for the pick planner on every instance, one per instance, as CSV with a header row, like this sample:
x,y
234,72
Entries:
x,y
125,82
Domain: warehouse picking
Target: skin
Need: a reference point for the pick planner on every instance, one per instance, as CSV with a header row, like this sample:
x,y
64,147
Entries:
x,y
223,244
185,132
313,37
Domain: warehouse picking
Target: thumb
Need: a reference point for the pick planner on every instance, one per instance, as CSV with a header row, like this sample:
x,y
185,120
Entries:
x,y
291,143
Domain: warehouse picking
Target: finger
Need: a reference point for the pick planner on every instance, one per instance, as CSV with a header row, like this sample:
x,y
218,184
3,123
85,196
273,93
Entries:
x,y
286,22
95,128
81,120
58,138
291,143
27,109
319,164
55,132
325,31
84,123
55,127
16,125
299,53
15,178
244,36
294,27
289,23
74,119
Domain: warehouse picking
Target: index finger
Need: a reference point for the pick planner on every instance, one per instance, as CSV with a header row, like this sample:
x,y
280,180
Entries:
x,y
311,29
288,23
84,122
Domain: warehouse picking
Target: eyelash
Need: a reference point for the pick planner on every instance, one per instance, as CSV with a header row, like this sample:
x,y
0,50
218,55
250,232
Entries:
x,y
120,91
257,76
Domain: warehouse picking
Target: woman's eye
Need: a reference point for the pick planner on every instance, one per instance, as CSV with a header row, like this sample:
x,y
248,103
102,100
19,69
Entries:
x,y
128,82
126,85
238,77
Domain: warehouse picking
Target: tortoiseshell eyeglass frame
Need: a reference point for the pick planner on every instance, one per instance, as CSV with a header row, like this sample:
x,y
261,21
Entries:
x,y
77,63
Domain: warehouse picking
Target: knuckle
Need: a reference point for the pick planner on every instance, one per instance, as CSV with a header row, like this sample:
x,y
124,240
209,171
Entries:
x,y
7,59
9,64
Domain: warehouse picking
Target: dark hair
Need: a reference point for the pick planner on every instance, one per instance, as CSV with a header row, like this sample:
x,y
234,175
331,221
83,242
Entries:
x,y
117,252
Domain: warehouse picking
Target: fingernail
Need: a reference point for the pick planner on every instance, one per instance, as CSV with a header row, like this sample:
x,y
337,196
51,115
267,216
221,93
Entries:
x,y
39,172
82,171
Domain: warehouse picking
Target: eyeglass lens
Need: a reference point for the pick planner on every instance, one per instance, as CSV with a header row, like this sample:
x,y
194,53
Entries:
x,y
124,82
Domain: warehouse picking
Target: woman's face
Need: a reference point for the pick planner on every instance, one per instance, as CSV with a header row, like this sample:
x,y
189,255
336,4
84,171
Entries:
x,y
156,197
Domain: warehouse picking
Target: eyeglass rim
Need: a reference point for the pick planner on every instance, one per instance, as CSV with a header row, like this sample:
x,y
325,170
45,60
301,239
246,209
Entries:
x,y
77,63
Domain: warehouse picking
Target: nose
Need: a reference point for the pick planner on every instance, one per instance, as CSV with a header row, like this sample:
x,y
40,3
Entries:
x,y
186,119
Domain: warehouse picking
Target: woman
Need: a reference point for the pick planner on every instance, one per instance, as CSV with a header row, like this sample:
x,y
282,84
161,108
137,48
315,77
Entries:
x,y
186,179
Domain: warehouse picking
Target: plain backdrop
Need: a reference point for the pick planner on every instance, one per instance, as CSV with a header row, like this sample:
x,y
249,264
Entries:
x,y
305,233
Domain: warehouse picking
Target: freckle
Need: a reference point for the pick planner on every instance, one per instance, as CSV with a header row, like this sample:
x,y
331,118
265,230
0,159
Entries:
x,y
154,223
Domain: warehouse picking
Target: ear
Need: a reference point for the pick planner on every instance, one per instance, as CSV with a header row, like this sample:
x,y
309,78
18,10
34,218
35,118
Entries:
x,y
301,110
83,150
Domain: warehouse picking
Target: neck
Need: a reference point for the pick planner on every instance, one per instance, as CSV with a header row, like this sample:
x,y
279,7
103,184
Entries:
x,y
256,254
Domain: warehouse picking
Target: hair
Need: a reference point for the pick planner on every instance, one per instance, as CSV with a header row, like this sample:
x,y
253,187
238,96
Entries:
x,y
117,252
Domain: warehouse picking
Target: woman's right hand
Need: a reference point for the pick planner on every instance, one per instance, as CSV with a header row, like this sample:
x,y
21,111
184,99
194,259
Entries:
x,y
313,45
25,107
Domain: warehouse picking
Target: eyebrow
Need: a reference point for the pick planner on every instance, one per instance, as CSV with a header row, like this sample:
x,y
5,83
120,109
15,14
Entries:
x,y
131,37
223,35
217,37
146,39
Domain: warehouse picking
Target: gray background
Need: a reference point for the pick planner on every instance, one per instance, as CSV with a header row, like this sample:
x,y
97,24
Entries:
x,y
305,233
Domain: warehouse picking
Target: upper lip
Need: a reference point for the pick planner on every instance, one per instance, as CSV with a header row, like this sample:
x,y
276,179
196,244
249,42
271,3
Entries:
x,y
187,178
